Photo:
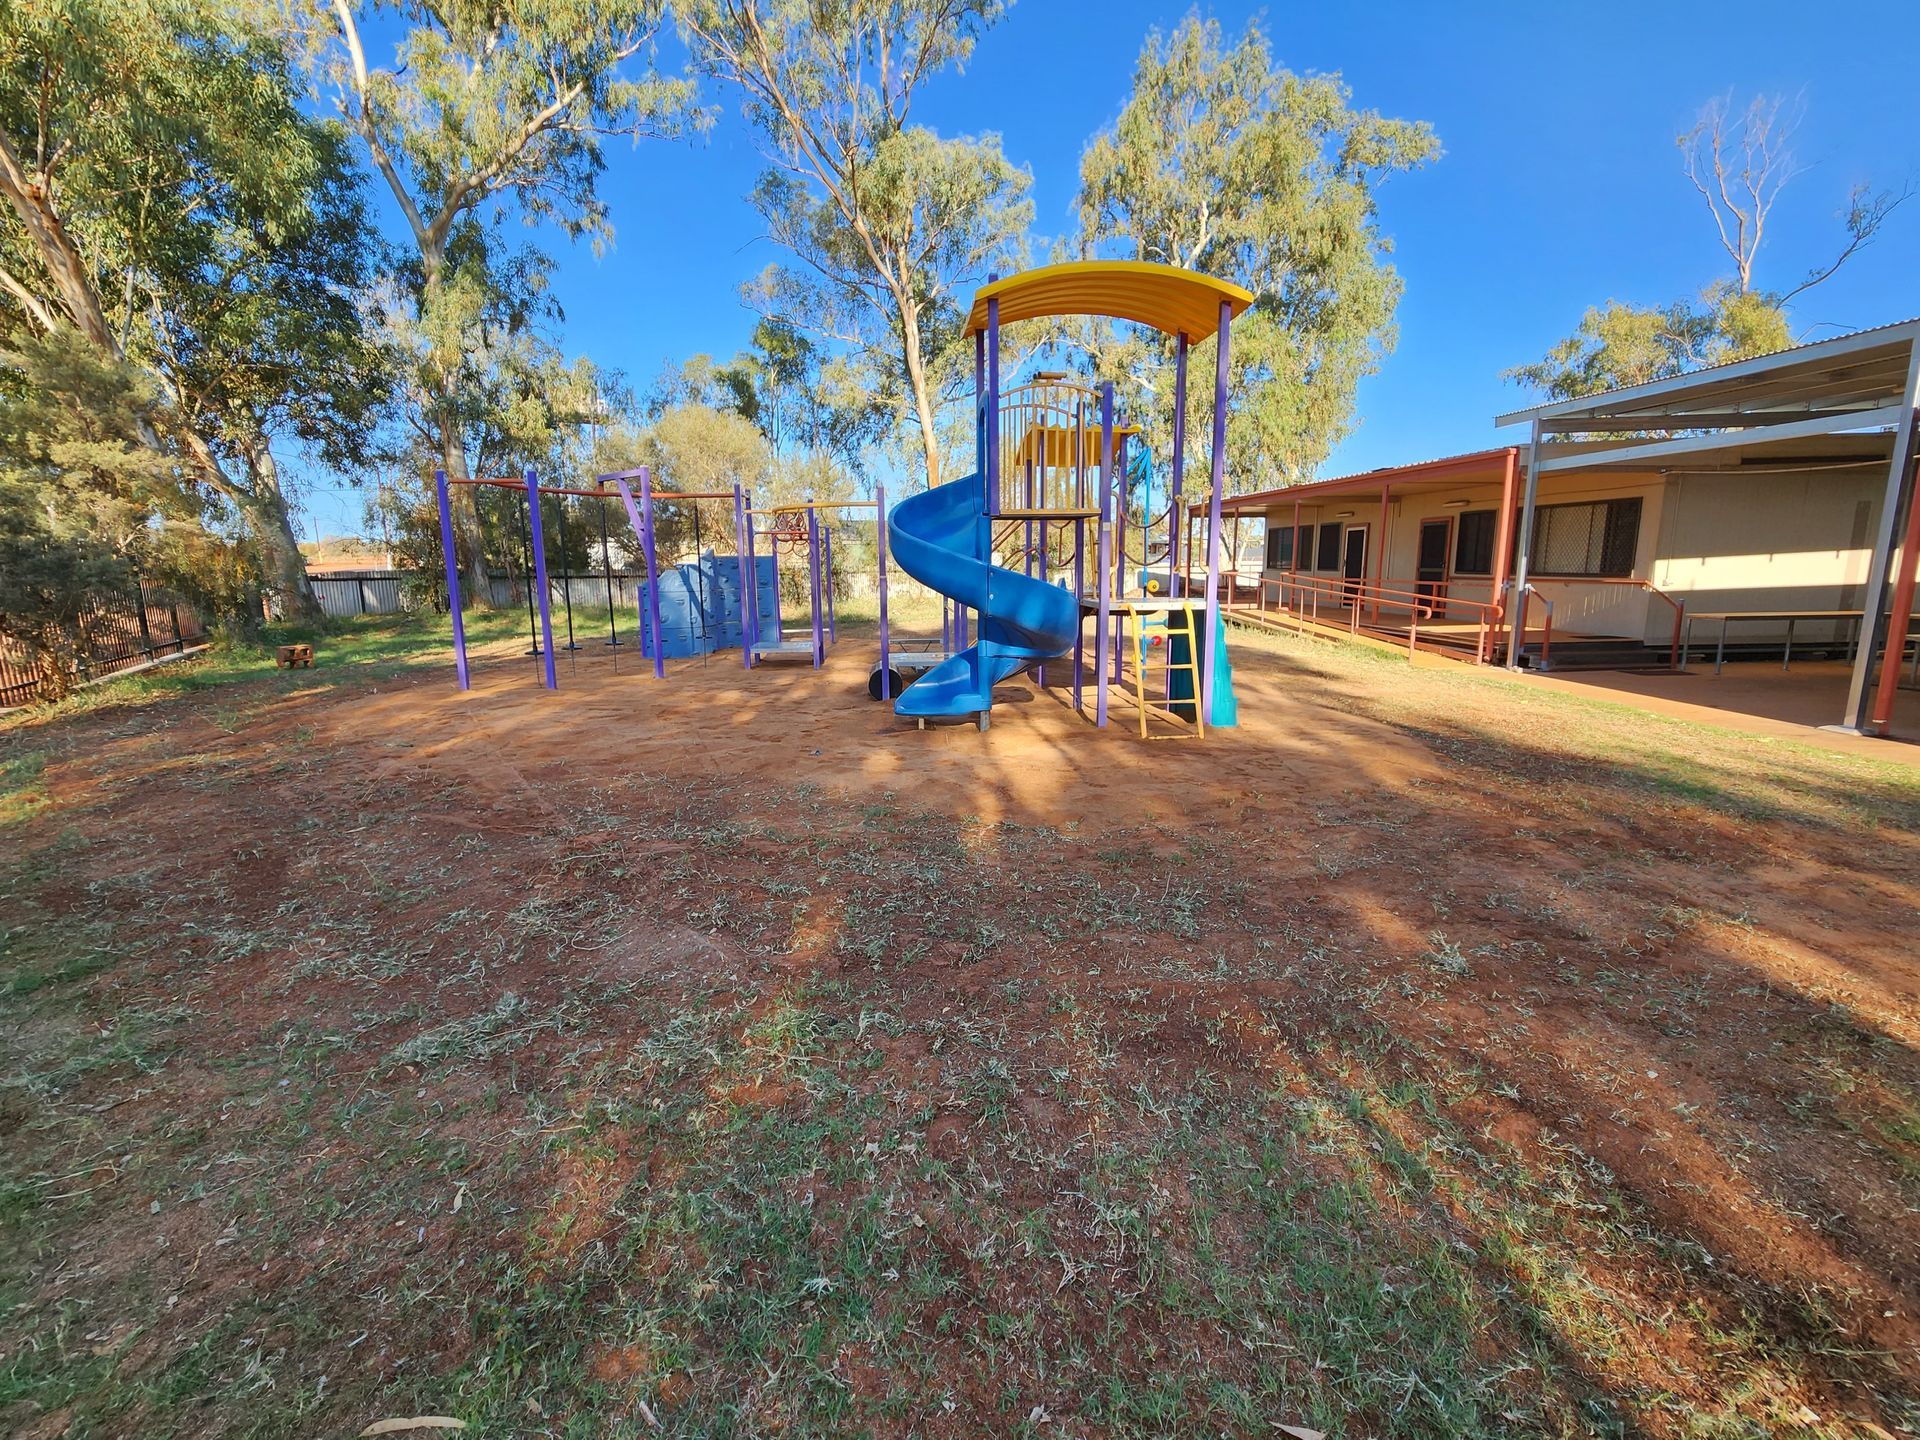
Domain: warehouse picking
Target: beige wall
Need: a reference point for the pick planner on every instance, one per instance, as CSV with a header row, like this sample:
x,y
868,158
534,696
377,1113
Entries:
x,y
1578,608
1767,541
1770,541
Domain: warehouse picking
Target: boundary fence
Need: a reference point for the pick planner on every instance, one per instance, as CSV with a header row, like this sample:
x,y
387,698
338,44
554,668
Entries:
x,y
118,630
375,592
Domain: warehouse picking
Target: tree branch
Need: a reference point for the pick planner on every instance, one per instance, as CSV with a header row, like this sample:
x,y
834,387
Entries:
x,y
37,309
364,123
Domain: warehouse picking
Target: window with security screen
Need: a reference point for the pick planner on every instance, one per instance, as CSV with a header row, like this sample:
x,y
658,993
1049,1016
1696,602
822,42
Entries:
x,y
1329,556
1473,544
1597,539
1280,548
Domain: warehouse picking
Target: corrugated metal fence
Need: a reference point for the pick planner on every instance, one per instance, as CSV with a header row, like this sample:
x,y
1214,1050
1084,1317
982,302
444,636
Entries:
x,y
387,592
374,592
118,629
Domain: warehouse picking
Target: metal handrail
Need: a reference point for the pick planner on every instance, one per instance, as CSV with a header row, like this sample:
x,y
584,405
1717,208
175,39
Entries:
x,y
1356,595
1520,623
1679,606
1679,622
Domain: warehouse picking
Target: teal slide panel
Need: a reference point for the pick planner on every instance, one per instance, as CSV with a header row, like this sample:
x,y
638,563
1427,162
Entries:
x,y
1224,712
939,537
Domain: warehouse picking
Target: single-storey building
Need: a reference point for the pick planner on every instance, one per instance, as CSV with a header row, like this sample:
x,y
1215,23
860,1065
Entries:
x,y
1757,505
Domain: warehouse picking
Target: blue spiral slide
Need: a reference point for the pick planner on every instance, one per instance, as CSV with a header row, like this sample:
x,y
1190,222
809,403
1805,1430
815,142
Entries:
x,y
941,538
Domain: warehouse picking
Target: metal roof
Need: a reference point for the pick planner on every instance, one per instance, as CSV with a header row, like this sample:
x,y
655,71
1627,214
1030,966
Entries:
x,y
1823,380
1179,302
1738,453
1859,382
1447,468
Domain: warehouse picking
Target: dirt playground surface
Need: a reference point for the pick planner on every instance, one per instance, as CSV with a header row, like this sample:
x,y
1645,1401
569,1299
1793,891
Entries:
x,y
1426,1057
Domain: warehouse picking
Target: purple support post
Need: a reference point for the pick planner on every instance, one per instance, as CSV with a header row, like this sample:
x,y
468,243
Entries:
x,y
1079,595
1179,463
1080,455
979,403
1213,510
983,533
1120,583
1103,557
813,578
641,518
1041,566
779,616
749,579
826,565
453,579
880,544
540,577
1027,556
653,574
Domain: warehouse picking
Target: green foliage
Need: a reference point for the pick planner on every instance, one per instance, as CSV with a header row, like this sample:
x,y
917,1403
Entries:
x,y
693,448
178,212
80,495
265,335
487,103
1224,162
1618,345
122,120
1739,162
891,221
800,397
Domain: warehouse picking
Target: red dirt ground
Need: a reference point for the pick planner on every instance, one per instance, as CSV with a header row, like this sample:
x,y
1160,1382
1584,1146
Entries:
x,y
1640,1001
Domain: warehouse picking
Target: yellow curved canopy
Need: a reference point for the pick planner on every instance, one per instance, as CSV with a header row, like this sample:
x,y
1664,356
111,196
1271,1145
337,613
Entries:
x,y
1176,301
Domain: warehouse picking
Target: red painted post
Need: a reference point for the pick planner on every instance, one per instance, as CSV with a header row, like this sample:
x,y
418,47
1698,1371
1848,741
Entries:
x,y
1881,721
1503,542
1380,560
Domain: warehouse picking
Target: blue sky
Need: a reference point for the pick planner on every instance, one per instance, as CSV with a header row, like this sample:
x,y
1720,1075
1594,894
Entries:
x,y
1560,186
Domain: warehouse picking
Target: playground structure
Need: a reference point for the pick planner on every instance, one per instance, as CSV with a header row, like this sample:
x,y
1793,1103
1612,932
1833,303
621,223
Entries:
x,y
790,528
715,602
1050,491
1046,469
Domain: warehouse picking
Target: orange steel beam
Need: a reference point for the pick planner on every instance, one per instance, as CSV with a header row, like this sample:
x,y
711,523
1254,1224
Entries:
x,y
1881,721
1380,562
544,489
658,495
1503,542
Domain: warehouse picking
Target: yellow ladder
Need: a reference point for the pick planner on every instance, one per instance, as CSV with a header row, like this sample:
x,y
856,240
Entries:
x,y
1185,625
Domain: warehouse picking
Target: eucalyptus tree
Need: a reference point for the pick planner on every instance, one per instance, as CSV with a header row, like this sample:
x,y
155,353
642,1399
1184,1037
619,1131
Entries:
x,y
889,222
1739,160
1225,162
488,105
170,208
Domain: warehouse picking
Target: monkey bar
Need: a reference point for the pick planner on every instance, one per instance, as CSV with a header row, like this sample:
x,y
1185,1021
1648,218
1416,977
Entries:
x,y
787,525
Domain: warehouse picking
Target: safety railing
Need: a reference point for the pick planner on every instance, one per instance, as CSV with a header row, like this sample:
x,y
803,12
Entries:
x,y
1520,621
1303,598
1050,449
1630,582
